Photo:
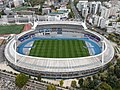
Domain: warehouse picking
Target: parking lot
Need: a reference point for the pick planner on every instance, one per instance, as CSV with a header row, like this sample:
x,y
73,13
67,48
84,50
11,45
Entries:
x,y
6,84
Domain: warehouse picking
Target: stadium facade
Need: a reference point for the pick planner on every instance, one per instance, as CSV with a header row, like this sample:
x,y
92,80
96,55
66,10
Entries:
x,y
59,68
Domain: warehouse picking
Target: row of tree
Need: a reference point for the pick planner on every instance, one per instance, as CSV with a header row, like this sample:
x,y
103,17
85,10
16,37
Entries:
x,y
105,80
35,2
22,79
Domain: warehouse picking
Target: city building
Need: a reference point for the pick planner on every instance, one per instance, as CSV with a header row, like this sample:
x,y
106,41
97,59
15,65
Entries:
x,y
83,7
82,4
16,3
86,7
114,2
94,7
105,12
46,10
85,12
102,22
95,20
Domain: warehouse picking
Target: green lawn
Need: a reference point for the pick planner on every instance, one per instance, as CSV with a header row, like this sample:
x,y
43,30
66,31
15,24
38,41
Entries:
x,y
11,29
59,49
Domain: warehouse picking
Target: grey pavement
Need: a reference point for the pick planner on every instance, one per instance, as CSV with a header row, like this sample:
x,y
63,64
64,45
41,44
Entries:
x,y
2,59
7,82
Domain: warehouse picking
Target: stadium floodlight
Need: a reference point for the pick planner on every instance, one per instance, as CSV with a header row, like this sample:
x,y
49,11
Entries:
x,y
15,38
103,47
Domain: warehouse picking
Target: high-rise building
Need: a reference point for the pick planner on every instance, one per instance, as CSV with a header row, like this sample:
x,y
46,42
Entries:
x,y
83,7
84,12
105,12
95,20
113,10
102,22
108,10
82,4
94,7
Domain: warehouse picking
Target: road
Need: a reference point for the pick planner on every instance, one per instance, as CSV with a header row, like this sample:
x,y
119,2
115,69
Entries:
x,y
7,82
77,15
96,29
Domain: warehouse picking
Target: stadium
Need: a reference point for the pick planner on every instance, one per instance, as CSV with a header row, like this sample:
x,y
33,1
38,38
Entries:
x,y
59,50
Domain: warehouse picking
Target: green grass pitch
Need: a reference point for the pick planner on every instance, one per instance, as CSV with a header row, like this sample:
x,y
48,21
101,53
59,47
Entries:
x,y
59,49
11,29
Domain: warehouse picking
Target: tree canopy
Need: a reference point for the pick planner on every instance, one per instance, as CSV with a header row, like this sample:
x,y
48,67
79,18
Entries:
x,y
73,84
51,87
21,80
104,86
61,83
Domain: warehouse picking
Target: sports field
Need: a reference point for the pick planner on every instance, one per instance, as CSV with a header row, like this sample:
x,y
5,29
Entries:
x,y
59,49
11,29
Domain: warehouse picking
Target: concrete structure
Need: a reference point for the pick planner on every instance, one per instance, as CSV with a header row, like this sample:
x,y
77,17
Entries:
x,y
18,2
102,22
46,10
86,7
109,10
94,7
60,14
59,67
82,4
83,8
113,11
98,21
85,12
95,20
118,28
114,28
1,2
54,17
114,2
105,12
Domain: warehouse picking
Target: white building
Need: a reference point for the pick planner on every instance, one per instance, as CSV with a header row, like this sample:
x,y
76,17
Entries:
x,y
113,11
82,4
94,7
102,22
86,7
61,14
114,2
114,28
83,7
95,20
49,2
85,12
54,18
46,10
98,21
118,28
18,2
108,10
105,12
1,2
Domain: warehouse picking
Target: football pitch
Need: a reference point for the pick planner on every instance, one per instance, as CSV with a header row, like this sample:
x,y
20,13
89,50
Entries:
x,y
11,29
59,49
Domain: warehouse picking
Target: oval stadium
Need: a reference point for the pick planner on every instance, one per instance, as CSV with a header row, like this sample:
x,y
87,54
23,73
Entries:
x,y
59,50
